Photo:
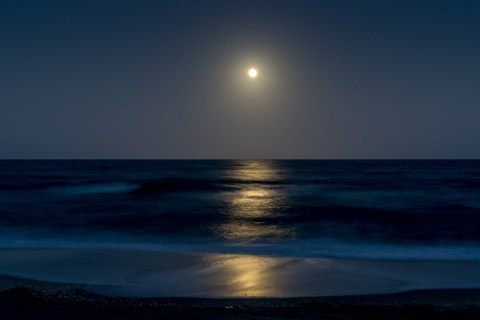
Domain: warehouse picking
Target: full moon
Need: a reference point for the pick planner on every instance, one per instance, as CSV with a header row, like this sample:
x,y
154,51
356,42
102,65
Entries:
x,y
252,73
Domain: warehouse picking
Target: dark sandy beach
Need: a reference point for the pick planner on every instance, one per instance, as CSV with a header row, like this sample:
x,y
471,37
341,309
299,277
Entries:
x,y
27,299
140,273
132,284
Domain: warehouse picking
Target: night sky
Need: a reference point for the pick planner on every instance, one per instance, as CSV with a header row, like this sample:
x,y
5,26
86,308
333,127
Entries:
x,y
168,79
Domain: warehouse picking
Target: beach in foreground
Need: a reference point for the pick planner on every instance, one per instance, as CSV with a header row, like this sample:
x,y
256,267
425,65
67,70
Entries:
x,y
139,273
27,299
135,284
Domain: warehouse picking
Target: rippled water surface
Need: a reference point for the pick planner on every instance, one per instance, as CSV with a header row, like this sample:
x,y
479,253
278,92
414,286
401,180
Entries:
x,y
347,209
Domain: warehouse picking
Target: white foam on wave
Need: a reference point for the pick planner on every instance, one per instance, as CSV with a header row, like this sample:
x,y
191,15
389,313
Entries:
x,y
384,251
94,188
299,249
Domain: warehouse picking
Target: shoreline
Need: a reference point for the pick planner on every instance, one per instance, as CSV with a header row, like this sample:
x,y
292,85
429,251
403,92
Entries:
x,y
17,286
136,273
131,284
30,299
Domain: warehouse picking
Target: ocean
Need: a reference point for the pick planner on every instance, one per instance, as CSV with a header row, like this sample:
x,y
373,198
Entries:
x,y
346,209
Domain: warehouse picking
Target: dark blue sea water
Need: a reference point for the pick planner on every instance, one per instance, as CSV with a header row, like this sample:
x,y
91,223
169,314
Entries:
x,y
343,209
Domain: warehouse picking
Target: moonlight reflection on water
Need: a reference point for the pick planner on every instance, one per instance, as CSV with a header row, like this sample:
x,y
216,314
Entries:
x,y
251,206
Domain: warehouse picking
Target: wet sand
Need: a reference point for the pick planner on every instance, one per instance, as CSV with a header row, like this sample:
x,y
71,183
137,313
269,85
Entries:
x,y
28,299
137,273
135,284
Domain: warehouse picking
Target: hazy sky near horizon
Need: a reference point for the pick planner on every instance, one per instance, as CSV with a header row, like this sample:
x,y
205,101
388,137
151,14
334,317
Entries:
x,y
168,79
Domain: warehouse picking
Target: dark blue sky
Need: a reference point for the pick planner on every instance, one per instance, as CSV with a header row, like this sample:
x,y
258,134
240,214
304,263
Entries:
x,y
167,79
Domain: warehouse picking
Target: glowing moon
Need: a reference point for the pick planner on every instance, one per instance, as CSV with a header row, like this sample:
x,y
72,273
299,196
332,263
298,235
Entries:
x,y
252,73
